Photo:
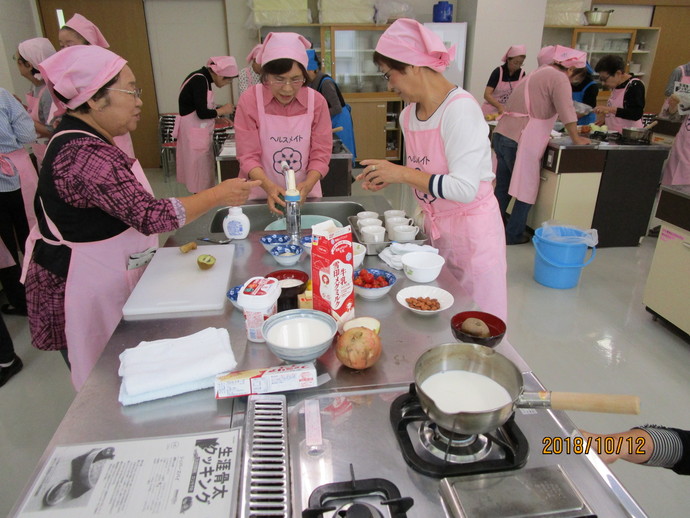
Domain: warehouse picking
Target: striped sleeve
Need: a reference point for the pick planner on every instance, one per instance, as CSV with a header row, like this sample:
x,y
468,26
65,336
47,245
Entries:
x,y
668,448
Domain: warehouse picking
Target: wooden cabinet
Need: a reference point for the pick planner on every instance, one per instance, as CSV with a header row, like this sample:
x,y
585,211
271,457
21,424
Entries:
x,y
346,53
636,45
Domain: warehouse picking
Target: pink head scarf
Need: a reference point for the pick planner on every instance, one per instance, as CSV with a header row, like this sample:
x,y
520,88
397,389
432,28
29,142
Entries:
x,y
545,56
408,41
255,54
224,66
514,50
87,30
567,57
36,50
284,45
78,72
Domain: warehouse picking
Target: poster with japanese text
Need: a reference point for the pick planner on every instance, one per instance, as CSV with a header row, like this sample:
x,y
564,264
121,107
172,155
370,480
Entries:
x,y
192,475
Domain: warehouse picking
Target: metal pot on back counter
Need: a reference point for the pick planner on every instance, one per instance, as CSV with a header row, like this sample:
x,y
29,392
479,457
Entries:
x,y
338,181
608,185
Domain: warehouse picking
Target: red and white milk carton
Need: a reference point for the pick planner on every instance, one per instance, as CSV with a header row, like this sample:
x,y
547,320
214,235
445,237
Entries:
x,y
332,271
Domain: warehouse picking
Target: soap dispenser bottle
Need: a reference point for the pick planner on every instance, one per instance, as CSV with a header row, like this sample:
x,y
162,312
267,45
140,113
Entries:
x,y
236,224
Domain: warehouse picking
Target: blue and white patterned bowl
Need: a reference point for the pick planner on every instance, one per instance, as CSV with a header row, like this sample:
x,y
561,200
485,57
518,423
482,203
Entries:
x,y
232,295
271,240
305,241
287,255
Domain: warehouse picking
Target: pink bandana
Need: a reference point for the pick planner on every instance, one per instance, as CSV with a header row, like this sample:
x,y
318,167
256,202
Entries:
x,y
87,30
285,45
224,66
78,72
255,54
567,57
514,50
36,50
408,41
545,56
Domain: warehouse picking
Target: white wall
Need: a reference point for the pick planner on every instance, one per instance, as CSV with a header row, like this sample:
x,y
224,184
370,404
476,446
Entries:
x,y
628,15
495,25
18,22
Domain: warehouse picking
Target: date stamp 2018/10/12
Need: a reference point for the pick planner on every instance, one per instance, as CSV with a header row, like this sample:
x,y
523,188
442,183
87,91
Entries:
x,y
603,445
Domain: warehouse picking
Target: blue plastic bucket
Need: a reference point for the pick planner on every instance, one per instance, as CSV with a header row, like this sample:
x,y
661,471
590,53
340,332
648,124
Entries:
x,y
559,264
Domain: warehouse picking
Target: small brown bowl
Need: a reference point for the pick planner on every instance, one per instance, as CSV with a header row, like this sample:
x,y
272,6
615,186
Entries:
x,y
496,326
288,296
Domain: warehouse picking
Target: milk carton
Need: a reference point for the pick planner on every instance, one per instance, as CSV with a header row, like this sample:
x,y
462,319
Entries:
x,y
332,271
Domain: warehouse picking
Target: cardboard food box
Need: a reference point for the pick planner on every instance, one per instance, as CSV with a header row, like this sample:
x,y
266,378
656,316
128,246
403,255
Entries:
x,y
332,271
262,381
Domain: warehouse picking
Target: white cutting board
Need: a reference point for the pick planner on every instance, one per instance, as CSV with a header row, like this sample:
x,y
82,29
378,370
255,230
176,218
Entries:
x,y
174,286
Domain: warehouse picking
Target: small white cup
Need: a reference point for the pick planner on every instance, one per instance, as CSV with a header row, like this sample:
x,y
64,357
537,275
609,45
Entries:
x,y
369,222
373,234
367,214
393,213
391,223
404,233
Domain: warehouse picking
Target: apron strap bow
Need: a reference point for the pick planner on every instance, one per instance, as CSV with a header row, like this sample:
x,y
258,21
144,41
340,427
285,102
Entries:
x,y
6,167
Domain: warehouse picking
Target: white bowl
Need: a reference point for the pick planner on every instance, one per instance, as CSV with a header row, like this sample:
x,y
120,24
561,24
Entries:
x,y
287,255
422,266
271,240
375,293
305,242
444,298
299,335
359,251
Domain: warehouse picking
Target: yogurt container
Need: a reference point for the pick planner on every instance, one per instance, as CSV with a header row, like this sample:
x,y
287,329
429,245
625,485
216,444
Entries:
x,y
258,298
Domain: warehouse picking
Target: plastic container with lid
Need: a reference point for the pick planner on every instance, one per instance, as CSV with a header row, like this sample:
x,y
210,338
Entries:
x,y
258,298
236,224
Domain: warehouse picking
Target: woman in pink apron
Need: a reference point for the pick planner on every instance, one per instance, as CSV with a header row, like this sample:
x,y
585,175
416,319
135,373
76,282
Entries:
x,y
504,80
99,219
522,135
281,120
38,101
448,162
194,156
251,74
625,106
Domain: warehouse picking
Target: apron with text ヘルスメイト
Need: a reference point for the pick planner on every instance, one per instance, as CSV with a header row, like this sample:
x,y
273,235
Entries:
x,y
194,152
524,181
28,179
98,285
470,236
502,92
616,101
284,139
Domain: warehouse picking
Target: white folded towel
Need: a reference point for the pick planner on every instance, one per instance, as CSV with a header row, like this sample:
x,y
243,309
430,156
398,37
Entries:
x,y
183,388
392,254
164,364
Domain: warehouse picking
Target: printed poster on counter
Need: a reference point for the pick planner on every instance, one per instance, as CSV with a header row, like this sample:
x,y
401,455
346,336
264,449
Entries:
x,y
192,475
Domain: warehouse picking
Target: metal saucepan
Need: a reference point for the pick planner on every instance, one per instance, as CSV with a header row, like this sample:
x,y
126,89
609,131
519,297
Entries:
x,y
596,17
486,361
638,134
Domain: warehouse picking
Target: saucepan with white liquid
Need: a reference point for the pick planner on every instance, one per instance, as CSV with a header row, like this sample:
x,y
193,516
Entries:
x,y
470,389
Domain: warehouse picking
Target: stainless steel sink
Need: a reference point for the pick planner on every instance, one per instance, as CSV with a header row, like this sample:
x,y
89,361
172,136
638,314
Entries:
x,y
260,217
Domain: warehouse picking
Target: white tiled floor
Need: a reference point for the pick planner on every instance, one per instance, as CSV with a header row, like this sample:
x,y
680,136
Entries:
x,y
596,337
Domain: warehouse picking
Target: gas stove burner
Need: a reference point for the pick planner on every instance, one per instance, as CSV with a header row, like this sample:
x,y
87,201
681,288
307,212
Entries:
x,y
453,447
347,499
424,445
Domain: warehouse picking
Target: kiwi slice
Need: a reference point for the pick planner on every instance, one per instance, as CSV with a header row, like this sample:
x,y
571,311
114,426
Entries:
x,y
205,261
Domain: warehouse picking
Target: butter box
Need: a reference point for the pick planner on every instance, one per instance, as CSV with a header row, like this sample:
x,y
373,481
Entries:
x,y
262,381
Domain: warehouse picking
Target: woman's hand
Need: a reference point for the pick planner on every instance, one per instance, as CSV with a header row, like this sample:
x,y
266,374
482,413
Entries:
x,y
273,196
305,187
378,174
235,191
605,110
226,109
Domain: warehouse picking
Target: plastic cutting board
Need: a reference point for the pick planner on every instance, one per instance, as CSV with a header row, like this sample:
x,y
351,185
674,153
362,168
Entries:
x,y
174,286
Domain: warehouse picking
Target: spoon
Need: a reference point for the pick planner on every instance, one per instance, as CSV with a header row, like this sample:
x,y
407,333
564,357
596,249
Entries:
x,y
216,241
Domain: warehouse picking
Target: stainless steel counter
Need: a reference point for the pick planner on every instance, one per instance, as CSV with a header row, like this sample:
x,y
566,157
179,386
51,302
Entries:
x,y
566,143
96,414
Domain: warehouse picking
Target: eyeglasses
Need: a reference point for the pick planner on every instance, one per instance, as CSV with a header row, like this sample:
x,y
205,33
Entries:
x,y
282,82
603,79
136,92
386,75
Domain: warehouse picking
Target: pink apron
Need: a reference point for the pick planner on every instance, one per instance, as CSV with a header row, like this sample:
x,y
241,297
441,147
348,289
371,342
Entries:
x,y
33,107
677,167
284,139
502,91
98,285
194,153
524,182
683,79
616,101
124,142
470,236
28,178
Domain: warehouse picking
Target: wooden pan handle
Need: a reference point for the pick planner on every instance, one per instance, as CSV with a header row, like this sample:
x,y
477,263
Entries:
x,y
607,403
337,129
